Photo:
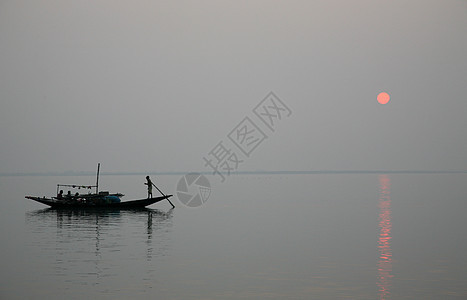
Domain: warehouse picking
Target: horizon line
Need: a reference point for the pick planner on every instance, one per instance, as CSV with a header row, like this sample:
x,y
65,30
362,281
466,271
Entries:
x,y
258,172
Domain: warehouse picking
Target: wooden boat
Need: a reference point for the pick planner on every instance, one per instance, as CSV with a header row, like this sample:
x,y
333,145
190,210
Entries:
x,y
98,199
96,202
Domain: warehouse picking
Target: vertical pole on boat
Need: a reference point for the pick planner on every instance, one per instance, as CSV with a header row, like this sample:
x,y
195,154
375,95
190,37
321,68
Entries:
x,y
97,180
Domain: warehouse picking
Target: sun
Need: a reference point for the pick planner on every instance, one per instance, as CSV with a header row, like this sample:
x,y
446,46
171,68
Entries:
x,y
383,98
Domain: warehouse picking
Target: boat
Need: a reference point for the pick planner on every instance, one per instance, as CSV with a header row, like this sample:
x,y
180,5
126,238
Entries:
x,y
99,199
94,202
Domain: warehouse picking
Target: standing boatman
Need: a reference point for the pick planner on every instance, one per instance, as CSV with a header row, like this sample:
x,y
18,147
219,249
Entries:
x,y
149,184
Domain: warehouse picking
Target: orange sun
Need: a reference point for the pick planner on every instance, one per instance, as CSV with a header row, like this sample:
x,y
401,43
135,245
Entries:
x,y
383,98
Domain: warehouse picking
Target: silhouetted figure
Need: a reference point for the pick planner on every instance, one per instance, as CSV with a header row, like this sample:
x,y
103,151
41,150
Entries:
x,y
68,195
60,195
149,184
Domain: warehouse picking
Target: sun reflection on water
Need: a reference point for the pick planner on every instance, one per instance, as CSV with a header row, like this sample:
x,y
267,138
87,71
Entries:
x,y
384,239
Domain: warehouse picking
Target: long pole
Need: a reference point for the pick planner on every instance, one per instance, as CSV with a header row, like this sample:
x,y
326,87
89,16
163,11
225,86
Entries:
x,y
173,206
97,180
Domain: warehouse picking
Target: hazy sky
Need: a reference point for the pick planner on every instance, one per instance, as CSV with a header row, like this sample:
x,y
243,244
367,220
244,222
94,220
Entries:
x,y
155,85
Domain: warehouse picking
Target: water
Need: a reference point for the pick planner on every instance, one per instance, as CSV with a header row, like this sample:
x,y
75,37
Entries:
x,y
320,236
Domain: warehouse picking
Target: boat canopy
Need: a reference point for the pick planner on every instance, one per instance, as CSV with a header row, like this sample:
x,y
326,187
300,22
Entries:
x,y
75,186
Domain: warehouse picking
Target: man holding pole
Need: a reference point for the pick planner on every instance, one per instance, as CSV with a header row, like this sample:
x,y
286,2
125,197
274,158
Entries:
x,y
149,184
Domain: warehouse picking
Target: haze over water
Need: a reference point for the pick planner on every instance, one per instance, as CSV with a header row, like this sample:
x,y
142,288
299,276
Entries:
x,y
371,91
318,236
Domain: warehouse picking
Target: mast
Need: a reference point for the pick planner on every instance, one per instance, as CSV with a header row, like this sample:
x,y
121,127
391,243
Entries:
x,y
97,180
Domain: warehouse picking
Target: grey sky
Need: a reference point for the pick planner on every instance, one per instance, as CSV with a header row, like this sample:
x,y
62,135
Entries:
x,y
155,85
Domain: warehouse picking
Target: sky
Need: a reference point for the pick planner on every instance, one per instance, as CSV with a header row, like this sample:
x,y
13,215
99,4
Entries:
x,y
156,85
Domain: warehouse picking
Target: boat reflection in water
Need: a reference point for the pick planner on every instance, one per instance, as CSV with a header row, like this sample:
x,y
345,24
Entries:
x,y
384,239
111,230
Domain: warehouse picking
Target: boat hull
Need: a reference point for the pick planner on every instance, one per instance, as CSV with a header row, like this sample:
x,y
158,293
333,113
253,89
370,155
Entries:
x,y
140,203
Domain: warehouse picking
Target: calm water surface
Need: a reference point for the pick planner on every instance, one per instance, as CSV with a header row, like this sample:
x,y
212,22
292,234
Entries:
x,y
321,236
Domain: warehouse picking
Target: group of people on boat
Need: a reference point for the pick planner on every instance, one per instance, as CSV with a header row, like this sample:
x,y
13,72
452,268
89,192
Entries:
x,y
148,182
67,196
